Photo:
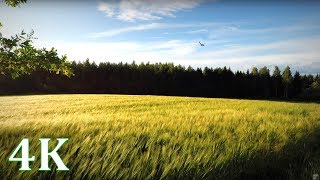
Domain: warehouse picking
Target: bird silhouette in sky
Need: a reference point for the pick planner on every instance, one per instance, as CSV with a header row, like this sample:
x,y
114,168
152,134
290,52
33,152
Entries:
x,y
201,44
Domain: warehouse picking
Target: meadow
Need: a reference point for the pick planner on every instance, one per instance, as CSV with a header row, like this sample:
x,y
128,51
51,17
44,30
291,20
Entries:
x,y
158,137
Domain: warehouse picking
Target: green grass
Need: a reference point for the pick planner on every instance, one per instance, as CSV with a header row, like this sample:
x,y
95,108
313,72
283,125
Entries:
x,y
154,137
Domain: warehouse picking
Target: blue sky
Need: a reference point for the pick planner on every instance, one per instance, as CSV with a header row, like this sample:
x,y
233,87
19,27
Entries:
x,y
237,34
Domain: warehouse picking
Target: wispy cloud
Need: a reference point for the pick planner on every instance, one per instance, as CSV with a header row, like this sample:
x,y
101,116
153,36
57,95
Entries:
x,y
236,29
298,53
199,31
144,10
213,29
107,8
142,27
114,32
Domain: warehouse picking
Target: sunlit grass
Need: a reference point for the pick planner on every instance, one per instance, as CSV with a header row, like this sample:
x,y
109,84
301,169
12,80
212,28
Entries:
x,y
152,137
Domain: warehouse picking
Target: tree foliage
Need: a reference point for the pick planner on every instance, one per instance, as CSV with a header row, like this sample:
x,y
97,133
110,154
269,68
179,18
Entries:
x,y
15,3
254,71
276,72
264,72
286,79
287,75
18,56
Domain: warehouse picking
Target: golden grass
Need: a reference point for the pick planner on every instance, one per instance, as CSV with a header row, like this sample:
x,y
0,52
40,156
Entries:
x,y
155,137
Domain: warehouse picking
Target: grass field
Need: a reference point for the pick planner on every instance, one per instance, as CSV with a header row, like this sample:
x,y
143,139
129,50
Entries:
x,y
154,137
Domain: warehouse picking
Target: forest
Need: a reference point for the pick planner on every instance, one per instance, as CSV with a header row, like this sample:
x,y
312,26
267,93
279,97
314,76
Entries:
x,y
167,79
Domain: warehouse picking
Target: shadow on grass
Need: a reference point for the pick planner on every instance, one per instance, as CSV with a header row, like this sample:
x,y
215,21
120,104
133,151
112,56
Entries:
x,y
297,160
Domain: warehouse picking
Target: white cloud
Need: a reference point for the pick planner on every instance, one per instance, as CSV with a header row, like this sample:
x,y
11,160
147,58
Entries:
x,y
115,32
236,30
298,53
107,8
142,27
144,10
199,31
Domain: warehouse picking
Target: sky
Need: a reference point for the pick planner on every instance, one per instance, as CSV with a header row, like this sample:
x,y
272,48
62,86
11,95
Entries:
x,y
237,34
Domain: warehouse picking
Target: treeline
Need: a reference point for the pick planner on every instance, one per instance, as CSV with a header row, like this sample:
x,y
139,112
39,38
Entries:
x,y
168,79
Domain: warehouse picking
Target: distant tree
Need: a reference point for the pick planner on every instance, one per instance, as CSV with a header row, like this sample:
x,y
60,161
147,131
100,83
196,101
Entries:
x,y
254,71
158,79
190,69
276,80
316,83
287,80
255,82
276,72
207,71
297,83
264,72
264,86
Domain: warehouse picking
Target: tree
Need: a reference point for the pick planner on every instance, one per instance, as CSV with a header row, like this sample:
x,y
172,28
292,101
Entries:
x,y
297,83
276,72
276,80
18,56
15,3
264,72
286,79
255,80
316,83
254,71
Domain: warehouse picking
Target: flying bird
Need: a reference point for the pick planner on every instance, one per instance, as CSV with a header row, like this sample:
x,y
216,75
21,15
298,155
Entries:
x,y
201,44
